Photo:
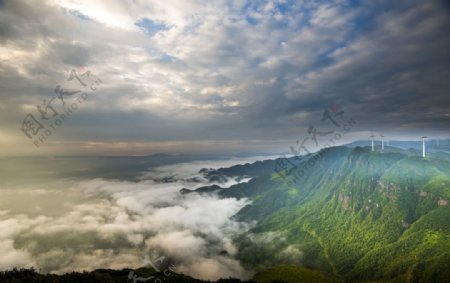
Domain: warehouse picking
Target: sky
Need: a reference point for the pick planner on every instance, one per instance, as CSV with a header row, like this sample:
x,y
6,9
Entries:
x,y
143,77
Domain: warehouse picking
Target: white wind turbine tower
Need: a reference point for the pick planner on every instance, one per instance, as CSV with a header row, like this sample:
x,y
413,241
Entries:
x,y
372,136
382,142
423,146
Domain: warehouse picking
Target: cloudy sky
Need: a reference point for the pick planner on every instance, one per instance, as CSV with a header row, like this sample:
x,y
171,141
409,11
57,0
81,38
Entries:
x,y
207,76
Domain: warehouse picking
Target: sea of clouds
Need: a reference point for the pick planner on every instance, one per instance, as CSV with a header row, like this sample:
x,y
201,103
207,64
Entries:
x,y
100,223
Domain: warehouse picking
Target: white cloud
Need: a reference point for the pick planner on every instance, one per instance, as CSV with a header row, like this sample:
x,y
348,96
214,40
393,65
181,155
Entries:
x,y
118,223
13,258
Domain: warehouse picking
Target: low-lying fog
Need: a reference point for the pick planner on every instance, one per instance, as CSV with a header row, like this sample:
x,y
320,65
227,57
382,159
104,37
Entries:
x,y
83,224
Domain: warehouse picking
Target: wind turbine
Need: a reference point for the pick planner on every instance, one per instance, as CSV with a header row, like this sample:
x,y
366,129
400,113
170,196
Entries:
x,y
382,142
372,136
423,146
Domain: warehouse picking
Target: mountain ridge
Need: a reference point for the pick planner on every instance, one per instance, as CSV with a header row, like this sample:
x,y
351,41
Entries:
x,y
357,214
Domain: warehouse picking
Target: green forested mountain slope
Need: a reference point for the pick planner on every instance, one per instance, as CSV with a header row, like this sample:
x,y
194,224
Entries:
x,y
357,214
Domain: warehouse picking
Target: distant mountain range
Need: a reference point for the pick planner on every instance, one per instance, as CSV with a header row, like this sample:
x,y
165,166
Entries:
x,y
432,145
